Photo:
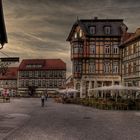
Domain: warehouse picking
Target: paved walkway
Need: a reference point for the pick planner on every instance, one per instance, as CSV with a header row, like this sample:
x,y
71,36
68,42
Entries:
x,y
25,119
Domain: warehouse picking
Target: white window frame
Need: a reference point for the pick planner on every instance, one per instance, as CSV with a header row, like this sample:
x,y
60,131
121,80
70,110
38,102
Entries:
x,y
106,67
115,49
92,48
107,49
107,30
92,30
92,67
115,68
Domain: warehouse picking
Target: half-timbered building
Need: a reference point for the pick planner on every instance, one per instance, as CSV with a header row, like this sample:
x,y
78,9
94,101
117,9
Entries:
x,y
131,60
95,53
9,80
35,76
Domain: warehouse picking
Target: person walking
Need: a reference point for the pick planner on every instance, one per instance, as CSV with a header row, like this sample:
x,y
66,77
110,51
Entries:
x,y
42,100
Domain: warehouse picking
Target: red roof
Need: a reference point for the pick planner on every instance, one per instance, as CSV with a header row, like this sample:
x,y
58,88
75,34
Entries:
x,y
43,64
127,36
11,74
131,37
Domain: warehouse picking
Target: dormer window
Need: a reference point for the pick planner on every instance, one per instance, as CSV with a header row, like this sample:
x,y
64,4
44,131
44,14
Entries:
x,y
92,30
107,30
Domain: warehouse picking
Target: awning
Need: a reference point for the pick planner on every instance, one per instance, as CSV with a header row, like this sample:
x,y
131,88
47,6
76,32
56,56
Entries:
x,y
115,87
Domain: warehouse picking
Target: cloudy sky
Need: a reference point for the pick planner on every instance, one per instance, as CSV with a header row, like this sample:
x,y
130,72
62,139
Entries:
x,y
39,28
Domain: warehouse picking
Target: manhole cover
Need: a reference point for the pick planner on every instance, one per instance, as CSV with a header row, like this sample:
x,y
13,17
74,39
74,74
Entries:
x,y
5,129
87,118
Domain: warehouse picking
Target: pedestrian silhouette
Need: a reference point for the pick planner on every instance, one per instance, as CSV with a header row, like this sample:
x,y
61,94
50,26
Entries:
x,y
42,100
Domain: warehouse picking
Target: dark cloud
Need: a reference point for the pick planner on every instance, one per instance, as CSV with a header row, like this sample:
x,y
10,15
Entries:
x,y
38,26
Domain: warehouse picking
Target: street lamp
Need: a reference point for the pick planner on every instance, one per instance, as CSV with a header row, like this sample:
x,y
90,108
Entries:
x,y
3,34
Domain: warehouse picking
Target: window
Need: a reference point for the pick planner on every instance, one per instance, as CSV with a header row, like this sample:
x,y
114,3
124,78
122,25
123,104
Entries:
x,y
55,83
106,67
22,83
27,83
115,49
33,74
33,82
33,66
43,74
92,48
39,73
39,83
60,74
129,69
92,30
78,48
134,48
36,73
50,74
77,66
75,49
107,30
78,86
134,67
125,52
22,73
91,67
30,73
129,50
55,73
115,68
59,83
36,82
107,49
28,66
43,83
64,74
50,83
27,74
47,83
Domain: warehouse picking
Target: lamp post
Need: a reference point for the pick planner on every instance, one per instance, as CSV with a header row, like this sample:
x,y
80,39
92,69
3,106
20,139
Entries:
x,y
3,34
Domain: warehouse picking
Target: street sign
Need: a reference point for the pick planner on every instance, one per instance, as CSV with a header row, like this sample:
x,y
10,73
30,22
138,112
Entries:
x,y
9,59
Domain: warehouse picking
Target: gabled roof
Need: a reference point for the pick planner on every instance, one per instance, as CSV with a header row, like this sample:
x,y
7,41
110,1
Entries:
x,y
46,64
84,24
11,74
3,35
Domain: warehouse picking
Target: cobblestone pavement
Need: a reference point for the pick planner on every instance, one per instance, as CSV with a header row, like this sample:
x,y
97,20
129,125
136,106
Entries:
x,y
25,119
